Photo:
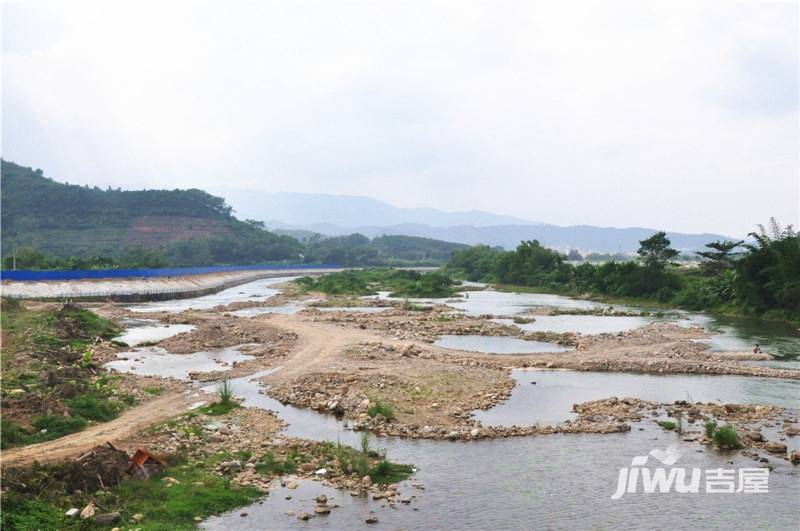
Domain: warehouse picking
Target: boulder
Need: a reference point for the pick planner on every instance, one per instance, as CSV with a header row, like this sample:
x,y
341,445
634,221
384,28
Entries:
x,y
88,511
107,518
775,447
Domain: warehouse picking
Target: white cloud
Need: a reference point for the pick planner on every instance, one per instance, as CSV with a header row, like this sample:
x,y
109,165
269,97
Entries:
x,y
681,115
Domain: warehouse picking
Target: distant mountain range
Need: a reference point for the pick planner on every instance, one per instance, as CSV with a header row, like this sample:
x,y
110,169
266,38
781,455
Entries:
x,y
335,215
348,211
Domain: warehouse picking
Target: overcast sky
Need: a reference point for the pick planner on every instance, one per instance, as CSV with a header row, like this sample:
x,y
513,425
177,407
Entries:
x,y
670,114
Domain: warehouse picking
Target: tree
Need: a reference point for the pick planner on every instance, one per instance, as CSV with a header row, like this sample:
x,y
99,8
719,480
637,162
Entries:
x,y
574,256
720,258
656,252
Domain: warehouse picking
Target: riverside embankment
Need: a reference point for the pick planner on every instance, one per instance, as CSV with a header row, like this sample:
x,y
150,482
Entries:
x,y
144,288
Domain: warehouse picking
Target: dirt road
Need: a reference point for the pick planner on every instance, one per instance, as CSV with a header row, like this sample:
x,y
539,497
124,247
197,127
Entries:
x,y
128,424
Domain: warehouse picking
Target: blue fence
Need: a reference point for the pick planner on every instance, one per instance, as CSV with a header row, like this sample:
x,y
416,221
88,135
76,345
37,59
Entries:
x,y
140,273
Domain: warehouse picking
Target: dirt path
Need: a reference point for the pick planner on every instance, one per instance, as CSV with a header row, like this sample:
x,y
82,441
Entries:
x,y
128,424
318,343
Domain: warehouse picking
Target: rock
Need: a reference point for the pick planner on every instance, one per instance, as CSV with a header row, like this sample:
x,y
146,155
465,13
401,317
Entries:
x,y
72,513
321,499
775,447
322,509
475,432
366,481
170,480
794,457
756,436
107,518
291,485
372,520
305,516
321,472
138,517
88,511
234,466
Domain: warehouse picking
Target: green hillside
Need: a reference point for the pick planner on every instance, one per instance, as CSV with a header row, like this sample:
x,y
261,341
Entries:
x,y
188,226
56,225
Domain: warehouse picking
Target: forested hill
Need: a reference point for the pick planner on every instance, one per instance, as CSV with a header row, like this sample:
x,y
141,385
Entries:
x,y
188,226
48,222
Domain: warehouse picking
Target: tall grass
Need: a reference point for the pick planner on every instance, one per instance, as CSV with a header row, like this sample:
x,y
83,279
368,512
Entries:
x,y
364,442
225,392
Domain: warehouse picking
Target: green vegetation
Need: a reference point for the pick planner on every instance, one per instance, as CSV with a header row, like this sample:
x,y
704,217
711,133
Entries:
x,y
351,461
269,464
358,250
93,407
726,437
401,283
386,472
78,227
50,382
763,280
40,503
710,427
668,424
52,225
381,408
226,401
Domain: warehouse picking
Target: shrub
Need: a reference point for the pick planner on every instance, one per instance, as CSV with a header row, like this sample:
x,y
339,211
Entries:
x,y
726,437
57,426
381,408
11,434
710,427
93,408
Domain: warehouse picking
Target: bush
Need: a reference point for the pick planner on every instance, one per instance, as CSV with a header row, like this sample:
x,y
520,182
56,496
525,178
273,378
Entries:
x,y
726,437
664,294
668,424
381,408
11,434
93,408
710,427
56,426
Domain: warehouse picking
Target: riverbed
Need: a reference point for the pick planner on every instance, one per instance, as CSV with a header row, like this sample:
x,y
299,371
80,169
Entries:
x,y
550,481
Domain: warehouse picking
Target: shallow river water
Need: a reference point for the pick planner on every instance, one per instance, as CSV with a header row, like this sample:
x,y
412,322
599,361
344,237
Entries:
x,y
544,482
